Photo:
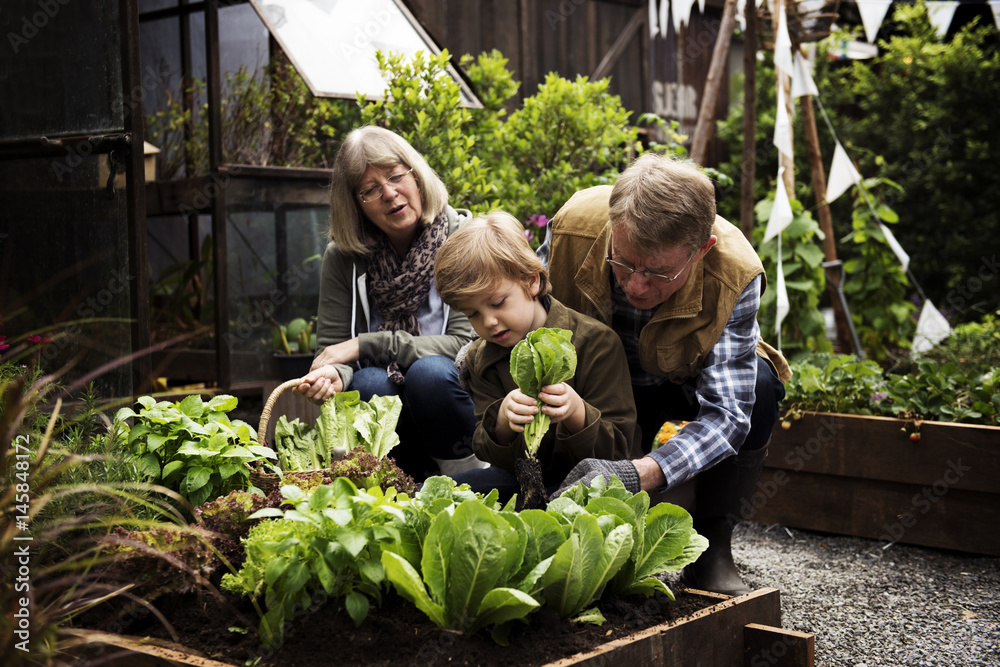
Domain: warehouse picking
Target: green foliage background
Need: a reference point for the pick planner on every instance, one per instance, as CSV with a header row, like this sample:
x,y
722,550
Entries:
x,y
920,115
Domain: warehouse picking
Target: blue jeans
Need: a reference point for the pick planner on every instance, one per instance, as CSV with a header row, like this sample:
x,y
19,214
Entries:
x,y
437,421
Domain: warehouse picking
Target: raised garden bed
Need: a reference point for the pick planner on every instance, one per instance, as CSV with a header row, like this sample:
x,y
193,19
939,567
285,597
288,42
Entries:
x,y
867,477
714,630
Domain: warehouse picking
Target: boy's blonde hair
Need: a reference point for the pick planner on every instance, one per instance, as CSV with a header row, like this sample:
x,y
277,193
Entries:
x,y
484,252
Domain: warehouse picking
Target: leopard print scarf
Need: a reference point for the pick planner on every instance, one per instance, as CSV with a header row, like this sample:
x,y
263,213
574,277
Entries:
x,y
399,286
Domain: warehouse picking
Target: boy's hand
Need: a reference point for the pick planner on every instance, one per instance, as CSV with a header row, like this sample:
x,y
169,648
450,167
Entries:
x,y
516,410
562,403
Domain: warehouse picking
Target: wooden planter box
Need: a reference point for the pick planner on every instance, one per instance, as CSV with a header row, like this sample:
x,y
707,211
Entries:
x,y
734,631
864,476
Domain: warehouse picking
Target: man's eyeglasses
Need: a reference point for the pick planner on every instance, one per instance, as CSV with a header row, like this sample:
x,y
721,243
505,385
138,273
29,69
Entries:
x,y
375,191
625,271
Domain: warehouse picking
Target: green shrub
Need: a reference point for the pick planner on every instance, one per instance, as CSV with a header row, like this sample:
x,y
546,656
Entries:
x,y
804,329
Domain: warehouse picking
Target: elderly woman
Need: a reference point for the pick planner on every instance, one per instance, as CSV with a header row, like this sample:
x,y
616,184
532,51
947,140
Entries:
x,y
382,328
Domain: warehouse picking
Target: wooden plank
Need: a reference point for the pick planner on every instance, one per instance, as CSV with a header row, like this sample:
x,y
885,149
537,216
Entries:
x,y
624,39
965,456
710,637
136,651
776,647
933,515
707,114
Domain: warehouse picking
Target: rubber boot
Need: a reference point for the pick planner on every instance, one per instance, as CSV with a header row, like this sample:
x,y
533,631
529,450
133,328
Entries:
x,y
450,467
720,493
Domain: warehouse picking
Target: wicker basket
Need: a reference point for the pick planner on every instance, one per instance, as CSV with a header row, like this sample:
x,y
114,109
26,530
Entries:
x,y
266,480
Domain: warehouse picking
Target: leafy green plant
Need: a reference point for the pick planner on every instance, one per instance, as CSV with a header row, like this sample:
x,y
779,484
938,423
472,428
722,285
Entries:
x,y
876,286
296,337
835,383
945,393
331,539
544,357
663,536
192,446
422,103
468,555
60,521
932,392
344,423
940,94
804,329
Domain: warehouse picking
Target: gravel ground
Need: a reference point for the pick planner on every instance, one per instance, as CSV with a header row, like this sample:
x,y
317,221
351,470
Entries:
x,y
868,605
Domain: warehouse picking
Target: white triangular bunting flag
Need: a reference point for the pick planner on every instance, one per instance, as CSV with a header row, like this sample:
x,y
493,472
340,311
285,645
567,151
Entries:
x,y
783,128
995,6
782,295
802,81
783,44
664,18
682,13
741,16
872,14
654,24
901,255
941,13
781,212
932,328
701,6
842,174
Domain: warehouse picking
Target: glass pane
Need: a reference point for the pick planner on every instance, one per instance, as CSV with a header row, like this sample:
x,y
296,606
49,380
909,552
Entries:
x,y
333,42
64,269
61,62
276,233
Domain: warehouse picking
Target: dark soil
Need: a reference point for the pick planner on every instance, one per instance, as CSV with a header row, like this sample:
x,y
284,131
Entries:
x,y
397,634
529,475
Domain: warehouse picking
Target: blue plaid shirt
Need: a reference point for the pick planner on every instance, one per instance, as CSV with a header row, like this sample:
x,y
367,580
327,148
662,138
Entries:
x,y
725,387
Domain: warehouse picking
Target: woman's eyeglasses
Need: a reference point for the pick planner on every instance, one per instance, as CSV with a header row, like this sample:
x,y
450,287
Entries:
x,y
375,191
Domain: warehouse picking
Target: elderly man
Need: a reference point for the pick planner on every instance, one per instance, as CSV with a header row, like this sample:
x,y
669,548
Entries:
x,y
681,286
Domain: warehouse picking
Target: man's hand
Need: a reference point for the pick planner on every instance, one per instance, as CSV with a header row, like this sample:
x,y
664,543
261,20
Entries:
x,y
588,470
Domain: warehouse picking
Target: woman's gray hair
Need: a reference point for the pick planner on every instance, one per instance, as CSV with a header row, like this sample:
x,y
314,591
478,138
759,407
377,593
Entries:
x,y
660,202
366,146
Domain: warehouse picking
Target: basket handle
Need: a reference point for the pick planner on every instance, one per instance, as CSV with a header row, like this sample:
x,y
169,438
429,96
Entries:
x,y
269,405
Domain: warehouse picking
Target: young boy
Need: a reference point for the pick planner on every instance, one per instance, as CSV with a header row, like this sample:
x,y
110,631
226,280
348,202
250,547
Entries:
x,y
488,271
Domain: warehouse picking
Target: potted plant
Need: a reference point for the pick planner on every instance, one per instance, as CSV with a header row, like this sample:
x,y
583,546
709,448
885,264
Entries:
x,y
294,347
910,457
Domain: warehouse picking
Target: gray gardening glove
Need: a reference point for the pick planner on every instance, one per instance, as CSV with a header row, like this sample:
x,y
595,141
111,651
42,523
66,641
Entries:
x,y
588,470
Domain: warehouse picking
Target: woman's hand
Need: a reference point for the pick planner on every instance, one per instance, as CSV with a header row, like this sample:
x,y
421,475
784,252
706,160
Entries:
x,y
320,384
341,353
562,404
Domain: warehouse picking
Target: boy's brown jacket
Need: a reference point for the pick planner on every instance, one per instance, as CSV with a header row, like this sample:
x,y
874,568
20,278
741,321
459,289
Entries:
x,y
601,379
